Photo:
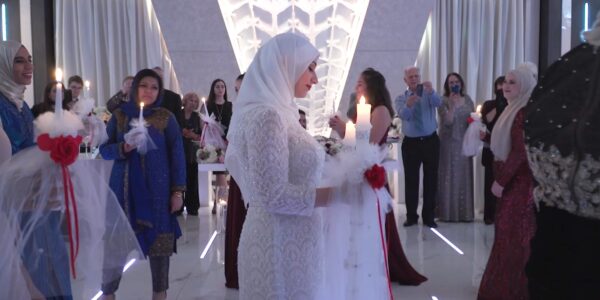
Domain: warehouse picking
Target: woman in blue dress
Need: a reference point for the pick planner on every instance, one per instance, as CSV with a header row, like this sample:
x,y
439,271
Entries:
x,y
149,186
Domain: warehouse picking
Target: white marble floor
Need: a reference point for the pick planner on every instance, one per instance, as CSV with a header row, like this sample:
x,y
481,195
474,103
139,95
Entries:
x,y
451,275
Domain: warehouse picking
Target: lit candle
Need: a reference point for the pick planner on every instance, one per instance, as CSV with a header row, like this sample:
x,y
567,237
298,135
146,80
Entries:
x,y
141,111
58,74
363,112
478,110
204,105
86,93
350,135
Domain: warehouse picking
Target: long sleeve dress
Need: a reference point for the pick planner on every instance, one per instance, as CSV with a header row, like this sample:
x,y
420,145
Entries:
x,y
277,168
455,174
144,183
504,276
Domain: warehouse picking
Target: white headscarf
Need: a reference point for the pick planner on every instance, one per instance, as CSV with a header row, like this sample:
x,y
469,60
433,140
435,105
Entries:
x,y
501,141
272,76
8,87
592,36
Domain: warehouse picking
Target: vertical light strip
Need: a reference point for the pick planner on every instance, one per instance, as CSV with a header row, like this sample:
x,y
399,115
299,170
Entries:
x,y
585,16
447,241
3,22
208,245
127,266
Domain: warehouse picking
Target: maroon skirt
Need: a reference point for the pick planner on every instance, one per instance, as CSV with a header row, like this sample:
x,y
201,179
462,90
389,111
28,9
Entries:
x,y
236,214
400,269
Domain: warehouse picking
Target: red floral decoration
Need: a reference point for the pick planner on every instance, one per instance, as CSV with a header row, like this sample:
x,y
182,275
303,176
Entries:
x,y
63,149
470,120
376,176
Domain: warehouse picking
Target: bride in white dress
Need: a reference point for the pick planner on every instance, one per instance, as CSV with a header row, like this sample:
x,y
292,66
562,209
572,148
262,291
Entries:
x,y
277,165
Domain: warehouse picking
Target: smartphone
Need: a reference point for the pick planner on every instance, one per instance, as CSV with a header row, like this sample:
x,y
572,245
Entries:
x,y
420,90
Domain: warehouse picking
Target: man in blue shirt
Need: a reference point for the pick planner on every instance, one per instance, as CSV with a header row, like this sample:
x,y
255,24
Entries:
x,y
421,145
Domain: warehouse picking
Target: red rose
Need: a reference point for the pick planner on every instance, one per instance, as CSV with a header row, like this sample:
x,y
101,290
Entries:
x,y
63,149
376,176
470,120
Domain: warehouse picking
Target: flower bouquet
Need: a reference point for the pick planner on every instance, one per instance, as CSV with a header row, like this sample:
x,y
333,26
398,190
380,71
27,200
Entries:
x,y
332,146
395,131
209,154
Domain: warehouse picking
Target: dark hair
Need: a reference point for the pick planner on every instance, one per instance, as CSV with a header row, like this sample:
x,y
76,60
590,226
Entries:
x,y
211,94
48,89
462,84
75,78
377,92
136,82
241,76
301,112
498,81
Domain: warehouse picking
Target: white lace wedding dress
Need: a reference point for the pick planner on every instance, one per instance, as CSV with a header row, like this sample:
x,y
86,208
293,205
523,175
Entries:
x,y
277,167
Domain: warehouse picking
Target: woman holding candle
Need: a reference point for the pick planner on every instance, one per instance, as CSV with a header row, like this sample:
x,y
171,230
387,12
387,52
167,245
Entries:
x,y
504,276
371,85
150,193
455,173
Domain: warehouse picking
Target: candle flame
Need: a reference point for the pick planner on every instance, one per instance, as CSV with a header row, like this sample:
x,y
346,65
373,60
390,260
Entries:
x,y
87,84
362,100
203,99
58,74
479,108
142,105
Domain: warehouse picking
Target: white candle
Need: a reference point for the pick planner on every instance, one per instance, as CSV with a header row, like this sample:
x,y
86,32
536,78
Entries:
x,y
58,99
363,112
204,105
350,135
86,92
141,111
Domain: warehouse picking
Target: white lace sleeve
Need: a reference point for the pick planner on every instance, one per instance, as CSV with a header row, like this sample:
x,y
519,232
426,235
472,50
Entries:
x,y
269,172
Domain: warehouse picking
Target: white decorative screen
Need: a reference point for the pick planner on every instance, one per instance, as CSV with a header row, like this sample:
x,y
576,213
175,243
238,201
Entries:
x,y
333,26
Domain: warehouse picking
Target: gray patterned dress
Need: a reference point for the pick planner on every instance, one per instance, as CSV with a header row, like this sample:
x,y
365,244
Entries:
x,y
455,175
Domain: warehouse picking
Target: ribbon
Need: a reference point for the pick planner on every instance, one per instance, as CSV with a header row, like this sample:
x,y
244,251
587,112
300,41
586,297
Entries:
x,y
64,151
375,176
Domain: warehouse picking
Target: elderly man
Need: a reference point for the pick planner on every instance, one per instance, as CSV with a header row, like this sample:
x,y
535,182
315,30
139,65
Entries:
x,y
421,145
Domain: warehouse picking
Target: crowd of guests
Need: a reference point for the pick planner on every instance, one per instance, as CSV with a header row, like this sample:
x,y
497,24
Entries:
x,y
434,126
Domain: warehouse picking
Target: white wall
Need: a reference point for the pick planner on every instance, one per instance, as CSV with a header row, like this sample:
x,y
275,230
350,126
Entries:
x,y
200,49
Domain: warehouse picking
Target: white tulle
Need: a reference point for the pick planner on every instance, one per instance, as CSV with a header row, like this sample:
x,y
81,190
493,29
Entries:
x,y
353,252
138,136
472,143
32,189
212,132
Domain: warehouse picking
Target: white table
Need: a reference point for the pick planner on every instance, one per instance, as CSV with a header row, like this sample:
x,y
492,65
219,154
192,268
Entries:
x,y
205,190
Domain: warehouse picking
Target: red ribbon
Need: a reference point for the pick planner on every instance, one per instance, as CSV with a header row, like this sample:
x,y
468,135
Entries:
x,y
376,178
64,151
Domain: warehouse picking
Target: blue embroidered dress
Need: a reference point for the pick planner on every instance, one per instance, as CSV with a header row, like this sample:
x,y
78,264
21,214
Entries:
x,y
18,125
144,183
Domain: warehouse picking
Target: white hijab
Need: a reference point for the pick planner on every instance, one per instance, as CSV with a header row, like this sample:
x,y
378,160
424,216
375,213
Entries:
x,y
272,76
8,87
592,36
501,141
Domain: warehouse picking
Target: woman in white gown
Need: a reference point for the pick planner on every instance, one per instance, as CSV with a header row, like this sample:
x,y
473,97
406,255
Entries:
x,y
277,165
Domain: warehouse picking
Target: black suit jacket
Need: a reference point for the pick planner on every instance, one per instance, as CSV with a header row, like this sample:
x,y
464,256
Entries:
x,y
172,102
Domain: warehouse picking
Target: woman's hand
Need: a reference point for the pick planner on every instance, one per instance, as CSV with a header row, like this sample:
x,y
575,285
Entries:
x,y
128,148
337,125
497,189
482,135
323,195
176,201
